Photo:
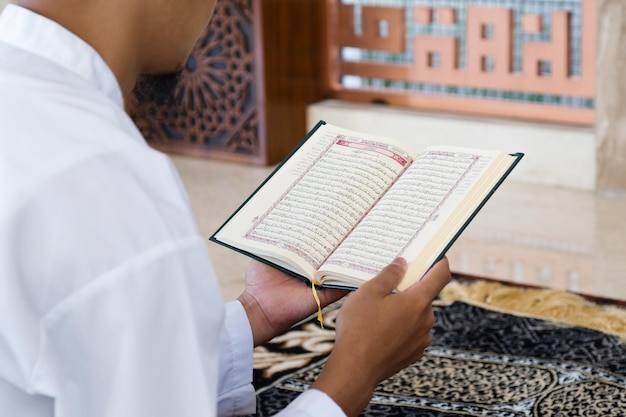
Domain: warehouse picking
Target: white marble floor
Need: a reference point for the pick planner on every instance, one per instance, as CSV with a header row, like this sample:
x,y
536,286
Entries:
x,y
538,235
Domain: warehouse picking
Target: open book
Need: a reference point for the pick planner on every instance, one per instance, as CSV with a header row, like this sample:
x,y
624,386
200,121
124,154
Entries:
x,y
344,204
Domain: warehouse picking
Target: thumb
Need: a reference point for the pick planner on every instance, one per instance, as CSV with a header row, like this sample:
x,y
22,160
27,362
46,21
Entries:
x,y
390,276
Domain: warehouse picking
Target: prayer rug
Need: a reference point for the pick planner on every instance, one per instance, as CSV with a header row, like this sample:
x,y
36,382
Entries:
x,y
482,362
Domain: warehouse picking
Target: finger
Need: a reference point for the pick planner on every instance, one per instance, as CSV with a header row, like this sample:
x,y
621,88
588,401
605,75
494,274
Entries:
x,y
434,281
389,277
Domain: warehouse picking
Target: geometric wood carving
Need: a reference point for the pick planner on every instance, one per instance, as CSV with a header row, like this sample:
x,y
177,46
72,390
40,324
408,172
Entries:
x,y
489,35
487,57
214,110
532,23
436,59
424,15
245,88
383,28
446,16
556,53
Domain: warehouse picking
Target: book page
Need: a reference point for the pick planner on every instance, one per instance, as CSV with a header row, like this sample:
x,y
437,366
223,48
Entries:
x,y
407,218
308,207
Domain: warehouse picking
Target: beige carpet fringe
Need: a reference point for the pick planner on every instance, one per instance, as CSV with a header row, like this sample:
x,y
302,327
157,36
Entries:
x,y
544,304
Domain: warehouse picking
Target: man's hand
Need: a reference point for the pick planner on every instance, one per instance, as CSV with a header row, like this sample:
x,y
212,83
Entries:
x,y
275,301
380,333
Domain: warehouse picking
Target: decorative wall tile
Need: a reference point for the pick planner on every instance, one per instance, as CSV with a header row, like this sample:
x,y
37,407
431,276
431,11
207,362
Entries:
x,y
530,60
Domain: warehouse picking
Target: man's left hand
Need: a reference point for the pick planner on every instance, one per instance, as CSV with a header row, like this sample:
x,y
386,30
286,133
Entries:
x,y
275,301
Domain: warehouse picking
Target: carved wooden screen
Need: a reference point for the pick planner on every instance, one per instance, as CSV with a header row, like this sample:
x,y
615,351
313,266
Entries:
x,y
513,58
245,88
215,111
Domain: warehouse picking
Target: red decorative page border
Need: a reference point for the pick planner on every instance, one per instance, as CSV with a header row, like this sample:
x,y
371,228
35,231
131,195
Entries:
x,y
339,140
361,268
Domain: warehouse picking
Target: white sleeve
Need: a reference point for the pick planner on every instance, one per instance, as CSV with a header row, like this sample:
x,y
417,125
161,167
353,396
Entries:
x,y
143,340
312,403
236,394
235,391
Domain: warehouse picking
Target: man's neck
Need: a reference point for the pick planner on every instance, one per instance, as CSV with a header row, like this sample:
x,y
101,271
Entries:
x,y
105,25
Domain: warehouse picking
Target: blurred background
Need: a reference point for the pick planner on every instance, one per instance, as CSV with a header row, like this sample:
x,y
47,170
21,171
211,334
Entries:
x,y
542,77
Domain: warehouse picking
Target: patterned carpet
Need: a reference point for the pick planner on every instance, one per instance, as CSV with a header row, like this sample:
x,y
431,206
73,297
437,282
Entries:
x,y
481,363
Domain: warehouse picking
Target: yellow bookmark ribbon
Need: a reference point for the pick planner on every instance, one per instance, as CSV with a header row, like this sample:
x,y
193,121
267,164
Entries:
x,y
320,318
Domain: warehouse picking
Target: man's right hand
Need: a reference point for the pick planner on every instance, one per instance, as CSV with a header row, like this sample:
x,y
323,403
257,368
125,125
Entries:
x,y
380,333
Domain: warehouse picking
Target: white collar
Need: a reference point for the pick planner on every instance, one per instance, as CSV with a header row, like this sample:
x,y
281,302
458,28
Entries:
x,y
39,35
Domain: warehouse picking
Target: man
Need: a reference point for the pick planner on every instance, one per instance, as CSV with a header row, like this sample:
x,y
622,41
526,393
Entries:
x,y
108,302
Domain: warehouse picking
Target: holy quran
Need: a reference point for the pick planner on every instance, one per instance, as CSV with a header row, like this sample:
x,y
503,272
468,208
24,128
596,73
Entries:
x,y
344,204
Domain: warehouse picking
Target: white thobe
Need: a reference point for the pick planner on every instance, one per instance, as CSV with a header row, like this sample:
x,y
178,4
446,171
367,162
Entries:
x,y
109,305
